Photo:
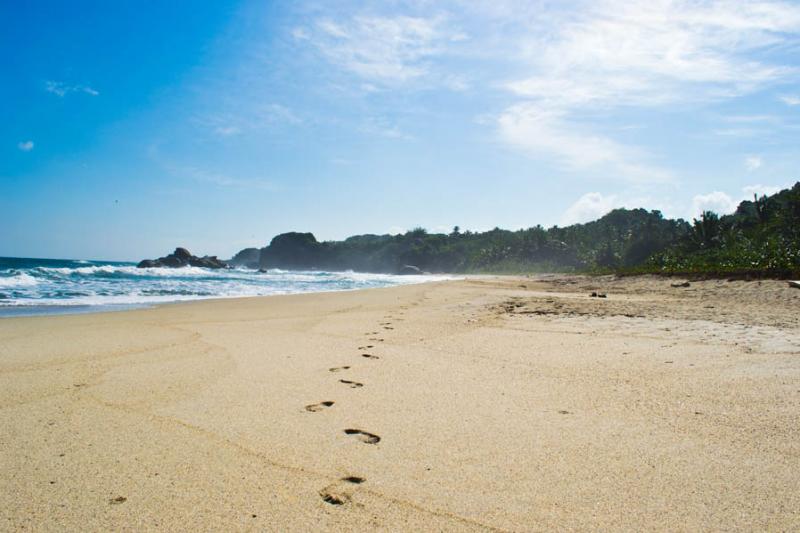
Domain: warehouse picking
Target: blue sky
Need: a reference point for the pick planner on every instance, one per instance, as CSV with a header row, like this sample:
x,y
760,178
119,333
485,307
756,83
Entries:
x,y
132,127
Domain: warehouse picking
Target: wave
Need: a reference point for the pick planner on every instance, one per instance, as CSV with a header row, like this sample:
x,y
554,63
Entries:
x,y
127,271
17,279
65,284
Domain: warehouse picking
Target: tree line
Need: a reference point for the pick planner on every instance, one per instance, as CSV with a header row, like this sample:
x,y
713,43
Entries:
x,y
761,238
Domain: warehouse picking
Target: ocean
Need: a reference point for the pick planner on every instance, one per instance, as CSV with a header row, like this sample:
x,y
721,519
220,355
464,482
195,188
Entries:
x,y
55,286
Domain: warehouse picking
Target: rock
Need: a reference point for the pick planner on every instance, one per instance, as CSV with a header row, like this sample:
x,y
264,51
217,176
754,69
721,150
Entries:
x,y
247,258
183,254
181,257
409,270
795,284
292,251
684,284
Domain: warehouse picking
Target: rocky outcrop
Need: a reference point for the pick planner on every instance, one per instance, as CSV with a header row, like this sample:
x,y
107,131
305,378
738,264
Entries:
x,y
247,258
292,251
181,257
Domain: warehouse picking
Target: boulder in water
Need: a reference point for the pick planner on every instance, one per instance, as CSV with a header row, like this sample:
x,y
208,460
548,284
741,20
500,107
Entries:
x,y
181,257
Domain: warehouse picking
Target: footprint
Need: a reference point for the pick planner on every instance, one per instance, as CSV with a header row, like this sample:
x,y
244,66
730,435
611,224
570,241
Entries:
x,y
353,384
338,368
338,494
334,497
387,327
364,436
366,347
369,356
377,340
314,407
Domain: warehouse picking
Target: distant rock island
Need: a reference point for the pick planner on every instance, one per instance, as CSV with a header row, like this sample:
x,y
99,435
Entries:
x,y
181,257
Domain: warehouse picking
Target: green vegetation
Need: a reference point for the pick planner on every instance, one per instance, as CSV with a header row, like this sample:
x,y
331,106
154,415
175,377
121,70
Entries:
x,y
761,238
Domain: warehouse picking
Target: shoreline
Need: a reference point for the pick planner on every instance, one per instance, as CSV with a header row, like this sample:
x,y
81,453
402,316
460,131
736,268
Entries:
x,y
81,309
489,403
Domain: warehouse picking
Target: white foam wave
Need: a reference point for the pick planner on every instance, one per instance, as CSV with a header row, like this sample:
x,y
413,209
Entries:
x,y
130,271
21,279
99,286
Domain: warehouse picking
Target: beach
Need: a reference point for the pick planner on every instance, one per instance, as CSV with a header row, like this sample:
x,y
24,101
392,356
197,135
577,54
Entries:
x,y
489,403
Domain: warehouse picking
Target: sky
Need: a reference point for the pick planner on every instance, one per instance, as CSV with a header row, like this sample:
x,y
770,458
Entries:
x,y
130,128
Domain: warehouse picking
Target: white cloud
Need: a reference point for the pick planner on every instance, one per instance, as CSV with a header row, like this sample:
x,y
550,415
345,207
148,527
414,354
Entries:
x,y
238,121
301,33
62,89
723,204
594,205
551,133
738,132
641,53
227,131
752,118
790,100
25,146
384,128
221,180
613,54
590,206
279,113
753,162
759,190
716,201
385,50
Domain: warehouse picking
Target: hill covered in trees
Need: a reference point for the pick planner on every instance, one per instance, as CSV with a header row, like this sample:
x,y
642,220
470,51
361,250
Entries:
x,y
761,238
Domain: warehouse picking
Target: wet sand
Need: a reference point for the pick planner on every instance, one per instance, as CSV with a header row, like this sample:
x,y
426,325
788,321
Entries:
x,y
519,404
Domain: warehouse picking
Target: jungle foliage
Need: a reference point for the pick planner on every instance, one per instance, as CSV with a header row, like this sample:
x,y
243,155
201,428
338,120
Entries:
x,y
762,238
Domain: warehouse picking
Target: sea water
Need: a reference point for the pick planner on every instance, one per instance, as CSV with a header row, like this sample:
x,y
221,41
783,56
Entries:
x,y
50,286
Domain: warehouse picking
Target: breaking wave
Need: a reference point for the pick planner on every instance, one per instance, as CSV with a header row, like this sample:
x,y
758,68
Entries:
x,y
30,286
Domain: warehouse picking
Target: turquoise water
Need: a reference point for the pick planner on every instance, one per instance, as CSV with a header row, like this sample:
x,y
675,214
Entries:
x,y
52,286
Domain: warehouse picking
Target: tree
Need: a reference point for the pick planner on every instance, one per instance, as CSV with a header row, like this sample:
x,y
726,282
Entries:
x,y
706,230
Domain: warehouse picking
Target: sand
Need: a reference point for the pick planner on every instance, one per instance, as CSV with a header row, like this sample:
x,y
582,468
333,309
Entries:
x,y
519,404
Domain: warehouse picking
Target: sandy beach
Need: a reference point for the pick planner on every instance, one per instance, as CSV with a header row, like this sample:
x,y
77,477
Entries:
x,y
503,404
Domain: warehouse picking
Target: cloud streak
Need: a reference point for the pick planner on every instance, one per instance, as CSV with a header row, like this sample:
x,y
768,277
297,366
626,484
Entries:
x,y
613,55
25,146
62,89
753,162
219,179
384,50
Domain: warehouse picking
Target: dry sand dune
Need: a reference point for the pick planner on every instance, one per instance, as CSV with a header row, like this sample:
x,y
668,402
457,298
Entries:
x,y
518,404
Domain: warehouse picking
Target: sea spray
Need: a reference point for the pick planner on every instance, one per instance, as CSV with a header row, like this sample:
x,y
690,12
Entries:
x,y
42,286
